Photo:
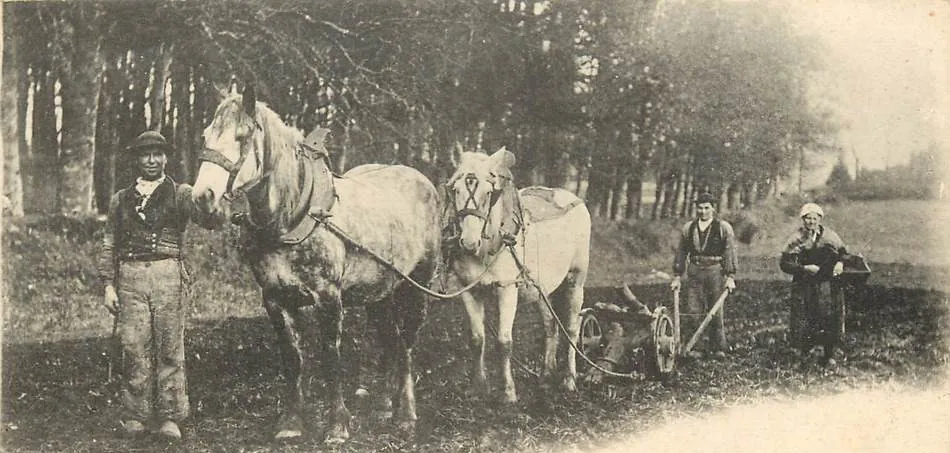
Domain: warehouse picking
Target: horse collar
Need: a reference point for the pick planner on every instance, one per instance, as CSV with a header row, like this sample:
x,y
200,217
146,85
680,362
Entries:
x,y
309,211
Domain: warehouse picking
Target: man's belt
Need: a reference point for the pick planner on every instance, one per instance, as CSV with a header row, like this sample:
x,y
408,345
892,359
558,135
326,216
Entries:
x,y
126,257
705,260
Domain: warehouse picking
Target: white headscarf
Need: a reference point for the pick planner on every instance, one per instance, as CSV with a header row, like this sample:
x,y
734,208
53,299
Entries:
x,y
811,208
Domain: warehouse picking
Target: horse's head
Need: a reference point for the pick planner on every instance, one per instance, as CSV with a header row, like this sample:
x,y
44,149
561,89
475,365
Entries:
x,y
474,192
232,160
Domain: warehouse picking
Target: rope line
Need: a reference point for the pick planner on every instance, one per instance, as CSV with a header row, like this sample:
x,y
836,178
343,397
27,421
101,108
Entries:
x,y
560,324
345,237
523,272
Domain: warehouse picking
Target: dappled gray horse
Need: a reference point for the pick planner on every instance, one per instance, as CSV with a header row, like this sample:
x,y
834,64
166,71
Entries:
x,y
317,243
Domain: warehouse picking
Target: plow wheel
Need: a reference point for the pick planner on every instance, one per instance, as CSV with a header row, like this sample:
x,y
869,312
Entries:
x,y
591,336
661,352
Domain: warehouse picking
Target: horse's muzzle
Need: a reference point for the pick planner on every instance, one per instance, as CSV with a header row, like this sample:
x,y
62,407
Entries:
x,y
470,245
209,212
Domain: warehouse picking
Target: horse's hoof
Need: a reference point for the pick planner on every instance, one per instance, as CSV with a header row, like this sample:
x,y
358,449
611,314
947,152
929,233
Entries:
x,y
361,393
475,394
569,385
406,427
288,434
383,409
336,435
289,427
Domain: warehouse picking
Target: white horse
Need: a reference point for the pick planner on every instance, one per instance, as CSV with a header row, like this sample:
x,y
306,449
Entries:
x,y
550,233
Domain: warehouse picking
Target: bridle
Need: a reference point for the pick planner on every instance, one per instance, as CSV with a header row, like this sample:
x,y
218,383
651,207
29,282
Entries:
x,y
471,207
233,168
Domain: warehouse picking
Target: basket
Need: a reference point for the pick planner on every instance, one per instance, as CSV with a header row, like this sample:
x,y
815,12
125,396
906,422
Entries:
x,y
856,270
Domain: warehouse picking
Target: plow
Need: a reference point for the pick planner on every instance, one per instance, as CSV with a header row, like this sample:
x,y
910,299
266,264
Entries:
x,y
628,339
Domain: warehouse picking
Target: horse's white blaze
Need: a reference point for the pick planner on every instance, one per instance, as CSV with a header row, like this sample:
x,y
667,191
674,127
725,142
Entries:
x,y
213,177
470,236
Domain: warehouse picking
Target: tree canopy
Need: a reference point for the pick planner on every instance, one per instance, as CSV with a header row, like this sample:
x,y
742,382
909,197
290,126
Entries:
x,y
600,97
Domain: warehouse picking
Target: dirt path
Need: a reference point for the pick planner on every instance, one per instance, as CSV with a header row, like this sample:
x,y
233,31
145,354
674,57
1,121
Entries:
x,y
865,421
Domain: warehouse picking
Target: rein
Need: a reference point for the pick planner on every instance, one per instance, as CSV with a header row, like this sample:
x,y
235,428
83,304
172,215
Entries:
x,y
524,273
331,227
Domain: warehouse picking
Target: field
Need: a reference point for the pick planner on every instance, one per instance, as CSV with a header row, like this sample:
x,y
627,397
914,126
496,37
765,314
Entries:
x,y
56,396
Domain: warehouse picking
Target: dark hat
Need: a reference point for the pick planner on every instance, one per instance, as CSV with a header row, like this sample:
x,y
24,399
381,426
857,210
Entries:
x,y
705,197
149,139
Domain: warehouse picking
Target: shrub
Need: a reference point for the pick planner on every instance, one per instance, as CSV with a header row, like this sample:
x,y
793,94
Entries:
x,y
51,283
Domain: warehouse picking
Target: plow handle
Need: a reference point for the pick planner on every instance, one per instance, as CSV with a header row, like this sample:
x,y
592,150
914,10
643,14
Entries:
x,y
676,318
715,308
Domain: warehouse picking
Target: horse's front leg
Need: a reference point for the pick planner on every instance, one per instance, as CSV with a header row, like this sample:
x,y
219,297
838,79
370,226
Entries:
x,y
476,321
285,322
507,307
329,310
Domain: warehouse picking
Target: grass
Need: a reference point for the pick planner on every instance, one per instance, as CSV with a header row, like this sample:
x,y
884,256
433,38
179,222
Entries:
x,y
56,397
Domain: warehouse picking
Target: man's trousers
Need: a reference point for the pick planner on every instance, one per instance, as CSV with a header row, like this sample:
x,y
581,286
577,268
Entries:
x,y
704,284
151,328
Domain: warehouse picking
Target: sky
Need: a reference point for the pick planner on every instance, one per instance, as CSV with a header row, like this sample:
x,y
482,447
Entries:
x,y
887,72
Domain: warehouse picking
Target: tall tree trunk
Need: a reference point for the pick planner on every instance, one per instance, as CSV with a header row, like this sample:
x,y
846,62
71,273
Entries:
x,y
182,120
616,194
345,149
44,173
11,113
687,191
634,193
596,191
104,156
658,198
672,196
732,196
80,95
138,69
163,62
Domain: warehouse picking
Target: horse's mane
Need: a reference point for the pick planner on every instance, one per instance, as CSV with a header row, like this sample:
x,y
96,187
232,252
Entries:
x,y
280,145
281,142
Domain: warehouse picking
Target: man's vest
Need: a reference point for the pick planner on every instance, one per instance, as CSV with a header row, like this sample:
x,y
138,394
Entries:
x,y
155,232
709,243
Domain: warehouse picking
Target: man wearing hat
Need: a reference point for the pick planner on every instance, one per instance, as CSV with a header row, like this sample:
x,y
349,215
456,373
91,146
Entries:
x,y
813,255
140,266
707,258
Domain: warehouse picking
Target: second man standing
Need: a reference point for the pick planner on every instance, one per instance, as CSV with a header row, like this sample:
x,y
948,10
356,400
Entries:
x,y
707,258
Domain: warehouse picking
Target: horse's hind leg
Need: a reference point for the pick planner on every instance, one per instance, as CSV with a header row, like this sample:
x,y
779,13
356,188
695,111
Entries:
x,y
379,317
551,333
410,314
571,295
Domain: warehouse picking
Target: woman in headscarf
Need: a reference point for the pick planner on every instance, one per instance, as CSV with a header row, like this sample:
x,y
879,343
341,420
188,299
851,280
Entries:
x,y
813,255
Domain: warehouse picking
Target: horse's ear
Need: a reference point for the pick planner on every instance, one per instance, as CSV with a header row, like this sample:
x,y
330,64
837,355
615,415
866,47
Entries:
x,y
503,159
249,100
220,90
